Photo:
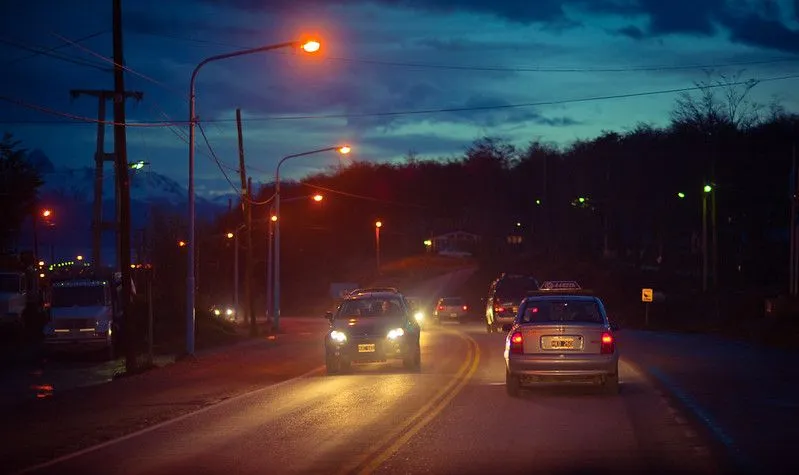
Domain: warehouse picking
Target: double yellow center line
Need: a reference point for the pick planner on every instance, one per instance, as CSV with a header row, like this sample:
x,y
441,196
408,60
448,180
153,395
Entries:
x,y
390,444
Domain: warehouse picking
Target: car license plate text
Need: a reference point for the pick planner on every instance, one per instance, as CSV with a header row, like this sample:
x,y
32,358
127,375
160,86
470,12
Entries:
x,y
562,343
366,348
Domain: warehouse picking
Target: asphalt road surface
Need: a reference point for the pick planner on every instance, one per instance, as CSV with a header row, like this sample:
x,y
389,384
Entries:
x,y
453,417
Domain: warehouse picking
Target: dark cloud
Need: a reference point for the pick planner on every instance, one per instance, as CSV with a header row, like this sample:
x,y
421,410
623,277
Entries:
x,y
632,31
766,33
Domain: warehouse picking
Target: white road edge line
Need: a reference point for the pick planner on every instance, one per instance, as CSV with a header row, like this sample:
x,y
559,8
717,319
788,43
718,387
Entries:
x,y
160,425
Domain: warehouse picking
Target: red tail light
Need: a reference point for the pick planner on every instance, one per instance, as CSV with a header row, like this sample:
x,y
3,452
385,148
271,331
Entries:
x,y
465,308
517,343
608,344
440,308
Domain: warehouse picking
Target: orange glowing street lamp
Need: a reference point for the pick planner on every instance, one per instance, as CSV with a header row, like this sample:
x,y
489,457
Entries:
x,y
306,46
378,225
229,235
46,213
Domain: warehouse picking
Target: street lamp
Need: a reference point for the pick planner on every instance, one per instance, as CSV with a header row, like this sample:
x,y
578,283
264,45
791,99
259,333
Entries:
x,y
378,225
342,149
308,47
235,236
707,189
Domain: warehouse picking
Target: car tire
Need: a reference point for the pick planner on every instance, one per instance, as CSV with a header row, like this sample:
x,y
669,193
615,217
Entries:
x,y
512,384
413,362
332,365
611,384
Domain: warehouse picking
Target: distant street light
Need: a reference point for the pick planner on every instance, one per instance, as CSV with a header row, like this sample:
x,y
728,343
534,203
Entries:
x,y
342,149
707,189
137,165
681,195
80,258
308,47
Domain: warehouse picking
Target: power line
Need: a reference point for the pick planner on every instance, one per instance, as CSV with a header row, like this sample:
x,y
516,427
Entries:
x,y
112,62
216,159
54,48
414,112
41,51
74,117
363,197
517,69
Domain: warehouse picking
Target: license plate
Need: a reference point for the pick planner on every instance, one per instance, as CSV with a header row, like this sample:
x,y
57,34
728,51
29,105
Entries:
x,y
453,315
366,348
562,343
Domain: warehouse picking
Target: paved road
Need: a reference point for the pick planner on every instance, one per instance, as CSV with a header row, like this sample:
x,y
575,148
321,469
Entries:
x,y
453,417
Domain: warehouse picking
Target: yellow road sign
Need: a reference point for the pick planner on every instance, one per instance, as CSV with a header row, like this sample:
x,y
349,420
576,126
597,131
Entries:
x,y
646,295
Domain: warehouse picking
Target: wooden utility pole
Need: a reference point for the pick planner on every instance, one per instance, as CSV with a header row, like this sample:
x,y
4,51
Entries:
x,y
123,190
100,157
247,209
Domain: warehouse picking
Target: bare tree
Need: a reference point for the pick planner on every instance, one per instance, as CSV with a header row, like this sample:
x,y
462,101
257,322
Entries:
x,y
720,101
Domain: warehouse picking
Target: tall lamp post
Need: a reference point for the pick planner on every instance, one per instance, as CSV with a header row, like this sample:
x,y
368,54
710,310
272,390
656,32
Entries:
x,y
378,225
308,47
707,190
345,149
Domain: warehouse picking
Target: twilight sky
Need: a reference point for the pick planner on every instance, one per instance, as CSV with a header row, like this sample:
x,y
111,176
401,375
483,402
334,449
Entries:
x,y
379,57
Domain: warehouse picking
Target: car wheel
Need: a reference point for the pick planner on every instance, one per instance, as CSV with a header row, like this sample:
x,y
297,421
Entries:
x,y
611,384
413,362
332,364
512,384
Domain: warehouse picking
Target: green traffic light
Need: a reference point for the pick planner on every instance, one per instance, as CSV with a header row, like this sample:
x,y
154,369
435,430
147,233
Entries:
x,y
681,195
708,188
538,202
581,199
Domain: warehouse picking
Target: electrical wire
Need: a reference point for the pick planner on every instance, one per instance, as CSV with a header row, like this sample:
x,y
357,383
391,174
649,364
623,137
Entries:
x,y
54,48
363,197
439,110
216,159
75,117
516,69
61,56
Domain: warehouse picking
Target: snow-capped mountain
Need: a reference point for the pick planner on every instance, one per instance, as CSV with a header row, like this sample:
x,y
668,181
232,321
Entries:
x,y
70,193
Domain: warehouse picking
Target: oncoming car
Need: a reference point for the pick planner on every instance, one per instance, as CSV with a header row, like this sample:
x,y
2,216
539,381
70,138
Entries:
x,y
372,327
561,336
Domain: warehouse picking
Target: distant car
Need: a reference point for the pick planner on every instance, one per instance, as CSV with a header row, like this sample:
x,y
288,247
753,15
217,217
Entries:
x,y
562,336
224,312
372,327
450,309
504,295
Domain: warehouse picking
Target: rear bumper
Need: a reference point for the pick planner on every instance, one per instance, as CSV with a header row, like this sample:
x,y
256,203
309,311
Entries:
x,y
563,367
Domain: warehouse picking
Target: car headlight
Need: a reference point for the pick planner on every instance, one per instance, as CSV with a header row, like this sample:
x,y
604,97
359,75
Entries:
x,y
395,333
419,316
229,312
217,312
338,337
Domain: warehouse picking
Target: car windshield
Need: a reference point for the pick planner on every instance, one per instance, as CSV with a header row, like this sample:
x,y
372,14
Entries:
x,y
84,296
371,307
561,311
515,287
452,301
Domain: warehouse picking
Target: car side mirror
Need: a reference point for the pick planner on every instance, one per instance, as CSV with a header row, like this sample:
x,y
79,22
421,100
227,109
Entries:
x,y
329,315
507,327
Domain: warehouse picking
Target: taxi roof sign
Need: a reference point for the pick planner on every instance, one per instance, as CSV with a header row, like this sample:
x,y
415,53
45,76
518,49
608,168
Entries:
x,y
560,285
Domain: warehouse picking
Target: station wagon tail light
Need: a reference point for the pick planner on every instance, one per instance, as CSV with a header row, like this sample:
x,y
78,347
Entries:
x,y
465,308
441,308
516,343
608,344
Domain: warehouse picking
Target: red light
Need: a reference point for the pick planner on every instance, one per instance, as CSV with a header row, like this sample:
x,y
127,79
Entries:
x,y
465,308
608,344
517,343
534,310
440,308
